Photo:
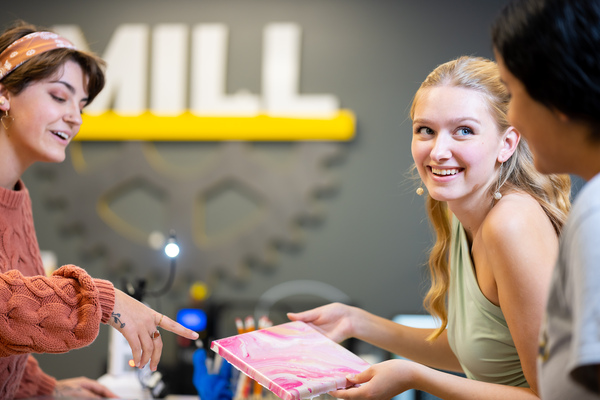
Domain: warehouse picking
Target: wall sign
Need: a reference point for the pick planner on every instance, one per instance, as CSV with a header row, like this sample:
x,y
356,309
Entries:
x,y
167,84
147,88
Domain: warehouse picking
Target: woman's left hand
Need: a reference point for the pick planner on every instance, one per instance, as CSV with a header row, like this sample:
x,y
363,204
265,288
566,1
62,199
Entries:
x,y
380,381
82,387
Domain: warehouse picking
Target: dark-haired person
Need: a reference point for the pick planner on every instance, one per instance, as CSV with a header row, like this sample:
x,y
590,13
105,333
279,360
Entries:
x,y
549,56
44,85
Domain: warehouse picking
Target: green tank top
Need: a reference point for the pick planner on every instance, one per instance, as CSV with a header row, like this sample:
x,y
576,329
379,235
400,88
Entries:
x,y
477,331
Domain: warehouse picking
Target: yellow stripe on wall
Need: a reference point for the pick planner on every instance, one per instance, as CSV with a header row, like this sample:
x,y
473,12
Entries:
x,y
111,126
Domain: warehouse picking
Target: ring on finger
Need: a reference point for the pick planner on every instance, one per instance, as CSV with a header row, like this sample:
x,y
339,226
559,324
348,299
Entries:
x,y
160,320
155,334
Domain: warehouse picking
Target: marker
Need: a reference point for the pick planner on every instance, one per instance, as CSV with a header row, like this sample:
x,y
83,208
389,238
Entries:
x,y
241,384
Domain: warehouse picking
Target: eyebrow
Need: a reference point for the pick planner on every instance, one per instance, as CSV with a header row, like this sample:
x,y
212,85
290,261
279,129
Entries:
x,y
455,121
70,88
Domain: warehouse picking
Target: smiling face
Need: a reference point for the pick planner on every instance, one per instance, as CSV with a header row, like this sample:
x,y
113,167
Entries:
x,y
456,144
46,116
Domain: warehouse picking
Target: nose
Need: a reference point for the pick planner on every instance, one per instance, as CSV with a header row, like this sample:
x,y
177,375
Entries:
x,y
441,149
73,115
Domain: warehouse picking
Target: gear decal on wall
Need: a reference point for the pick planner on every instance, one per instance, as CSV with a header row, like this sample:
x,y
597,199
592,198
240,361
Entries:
x,y
271,202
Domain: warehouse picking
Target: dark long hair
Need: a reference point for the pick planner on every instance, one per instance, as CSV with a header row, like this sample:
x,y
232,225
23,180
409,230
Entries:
x,y
553,48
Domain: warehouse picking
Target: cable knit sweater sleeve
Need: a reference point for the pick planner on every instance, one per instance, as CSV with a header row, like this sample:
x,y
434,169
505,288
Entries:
x,y
52,314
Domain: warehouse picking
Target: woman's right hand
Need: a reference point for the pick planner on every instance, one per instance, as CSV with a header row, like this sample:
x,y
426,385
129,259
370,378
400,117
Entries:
x,y
138,323
334,320
380,381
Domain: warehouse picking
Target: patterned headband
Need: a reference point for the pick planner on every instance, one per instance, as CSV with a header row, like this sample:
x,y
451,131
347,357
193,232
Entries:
x,y
28,46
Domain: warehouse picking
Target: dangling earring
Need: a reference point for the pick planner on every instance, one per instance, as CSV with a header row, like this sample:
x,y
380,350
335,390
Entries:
x,y
6,120
497,194
420,191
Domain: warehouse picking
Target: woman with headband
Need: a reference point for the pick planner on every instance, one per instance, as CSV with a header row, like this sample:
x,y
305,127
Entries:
x,y
45,83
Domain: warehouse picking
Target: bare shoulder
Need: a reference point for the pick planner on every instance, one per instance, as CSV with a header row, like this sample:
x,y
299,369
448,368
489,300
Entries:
x,y
516,218
519,244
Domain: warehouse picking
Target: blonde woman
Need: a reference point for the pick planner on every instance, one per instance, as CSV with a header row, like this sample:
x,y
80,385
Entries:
x,y
497,222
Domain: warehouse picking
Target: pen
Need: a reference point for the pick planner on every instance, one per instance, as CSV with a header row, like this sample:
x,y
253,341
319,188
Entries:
x,y
249,327
239,391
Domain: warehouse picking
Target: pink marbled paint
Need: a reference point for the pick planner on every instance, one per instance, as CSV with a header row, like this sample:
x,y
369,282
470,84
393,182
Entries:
x,y
292,360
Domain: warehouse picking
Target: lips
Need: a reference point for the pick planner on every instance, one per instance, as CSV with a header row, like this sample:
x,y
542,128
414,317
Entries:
x,y
445,171
61,135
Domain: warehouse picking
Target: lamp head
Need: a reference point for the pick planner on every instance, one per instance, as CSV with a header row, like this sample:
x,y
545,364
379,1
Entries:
x,y
172,248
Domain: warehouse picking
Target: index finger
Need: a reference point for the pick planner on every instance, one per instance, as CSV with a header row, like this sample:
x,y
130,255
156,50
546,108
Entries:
x,y
178,329
309,316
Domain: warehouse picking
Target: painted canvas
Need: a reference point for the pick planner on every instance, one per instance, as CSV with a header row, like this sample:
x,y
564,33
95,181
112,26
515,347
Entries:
x,y
292,360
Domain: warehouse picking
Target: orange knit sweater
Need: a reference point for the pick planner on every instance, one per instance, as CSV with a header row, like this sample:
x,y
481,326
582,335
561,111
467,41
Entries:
x,y
40,314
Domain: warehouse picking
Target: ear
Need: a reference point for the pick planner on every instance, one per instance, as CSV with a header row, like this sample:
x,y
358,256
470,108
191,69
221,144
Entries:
x,y
562,117
510,140
4,98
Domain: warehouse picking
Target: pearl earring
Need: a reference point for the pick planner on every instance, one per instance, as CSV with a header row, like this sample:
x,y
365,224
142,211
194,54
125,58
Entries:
x,y
420,191
497,195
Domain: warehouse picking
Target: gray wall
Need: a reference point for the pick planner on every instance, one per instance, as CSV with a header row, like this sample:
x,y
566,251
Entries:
x,y
372,242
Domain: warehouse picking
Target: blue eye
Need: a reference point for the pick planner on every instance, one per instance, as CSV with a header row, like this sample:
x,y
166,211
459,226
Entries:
x,y
425,130
465,131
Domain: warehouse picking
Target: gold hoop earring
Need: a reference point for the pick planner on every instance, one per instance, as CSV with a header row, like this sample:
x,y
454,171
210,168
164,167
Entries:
x,y
6,120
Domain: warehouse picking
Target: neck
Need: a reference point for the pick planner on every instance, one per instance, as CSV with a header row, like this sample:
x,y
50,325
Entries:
x,y
579,154
11,167
8,180
471,213
587,164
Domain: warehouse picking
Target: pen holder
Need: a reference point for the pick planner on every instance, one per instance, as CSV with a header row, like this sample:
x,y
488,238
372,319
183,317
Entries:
x,y
212,378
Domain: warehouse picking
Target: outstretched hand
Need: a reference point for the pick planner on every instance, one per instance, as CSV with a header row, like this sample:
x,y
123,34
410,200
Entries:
x,y
380,381
333,320
139,323
82,387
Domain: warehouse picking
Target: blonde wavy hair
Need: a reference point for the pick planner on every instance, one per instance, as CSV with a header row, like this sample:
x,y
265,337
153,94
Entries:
x,y
516,174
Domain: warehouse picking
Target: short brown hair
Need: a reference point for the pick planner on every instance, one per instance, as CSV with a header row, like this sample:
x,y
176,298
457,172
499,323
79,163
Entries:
x,y
47,64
